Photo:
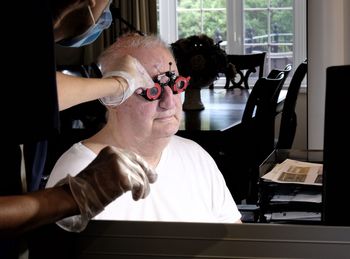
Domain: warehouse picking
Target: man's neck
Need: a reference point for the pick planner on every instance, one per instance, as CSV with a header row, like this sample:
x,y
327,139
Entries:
x,y
150,150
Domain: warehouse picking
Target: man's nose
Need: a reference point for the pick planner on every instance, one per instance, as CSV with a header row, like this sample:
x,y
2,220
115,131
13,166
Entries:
x,y
167,99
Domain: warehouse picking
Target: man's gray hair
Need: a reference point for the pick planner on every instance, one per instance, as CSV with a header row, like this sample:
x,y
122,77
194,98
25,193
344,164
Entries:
x,y
126,44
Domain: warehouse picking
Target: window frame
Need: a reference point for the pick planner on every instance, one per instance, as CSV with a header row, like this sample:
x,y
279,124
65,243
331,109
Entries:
x,y
235,37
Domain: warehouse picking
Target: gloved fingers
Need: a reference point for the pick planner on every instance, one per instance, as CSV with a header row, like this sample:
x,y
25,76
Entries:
x,y
139,186
150,173
136,159
129,68
135,173
136,76
135,178
109,173
113,172
143,80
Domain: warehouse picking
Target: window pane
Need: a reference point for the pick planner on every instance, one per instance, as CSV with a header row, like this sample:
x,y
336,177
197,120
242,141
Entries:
x,y
189,23
281,3
214,4
282,30
255,3
215,25
268,26
188,4
281,38
202,16
256,34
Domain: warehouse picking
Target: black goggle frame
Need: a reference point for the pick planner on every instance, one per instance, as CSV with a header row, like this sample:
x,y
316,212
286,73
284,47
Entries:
x,y
178,84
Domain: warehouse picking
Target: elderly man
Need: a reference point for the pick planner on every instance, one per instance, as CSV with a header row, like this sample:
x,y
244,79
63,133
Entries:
x,y
189,188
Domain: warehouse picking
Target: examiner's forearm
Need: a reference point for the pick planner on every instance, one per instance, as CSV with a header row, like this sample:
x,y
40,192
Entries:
x,y
21,213
74,90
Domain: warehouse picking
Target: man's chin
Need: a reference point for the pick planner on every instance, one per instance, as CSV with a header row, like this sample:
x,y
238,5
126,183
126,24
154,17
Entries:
x,y
167,131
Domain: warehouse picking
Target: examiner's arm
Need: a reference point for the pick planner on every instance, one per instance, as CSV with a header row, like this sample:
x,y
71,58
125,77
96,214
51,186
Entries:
x,y
74,90
112,173
24,212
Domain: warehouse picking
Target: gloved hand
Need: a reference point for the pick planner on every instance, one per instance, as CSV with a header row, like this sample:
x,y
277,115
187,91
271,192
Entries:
x,y
134,73
113,172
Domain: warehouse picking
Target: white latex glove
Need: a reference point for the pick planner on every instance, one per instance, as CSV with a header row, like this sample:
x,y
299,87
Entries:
x,y
134,73
113,172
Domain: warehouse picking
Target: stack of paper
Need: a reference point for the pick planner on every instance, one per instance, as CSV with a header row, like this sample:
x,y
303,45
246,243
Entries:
x,y
293,171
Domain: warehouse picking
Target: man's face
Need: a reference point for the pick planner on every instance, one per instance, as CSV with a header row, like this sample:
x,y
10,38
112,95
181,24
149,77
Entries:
x,y
141,118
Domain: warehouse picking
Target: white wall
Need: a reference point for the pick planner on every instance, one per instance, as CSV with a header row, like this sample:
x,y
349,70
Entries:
x,y
328,44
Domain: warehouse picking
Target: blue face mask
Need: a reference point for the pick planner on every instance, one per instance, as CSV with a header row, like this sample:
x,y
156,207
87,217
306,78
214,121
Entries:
x,y
92,33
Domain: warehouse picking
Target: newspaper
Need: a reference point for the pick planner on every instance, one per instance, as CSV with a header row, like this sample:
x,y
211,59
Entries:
x,y
294,171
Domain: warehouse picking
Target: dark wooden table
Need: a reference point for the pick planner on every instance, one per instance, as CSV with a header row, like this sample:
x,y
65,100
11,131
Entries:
x,y
223,109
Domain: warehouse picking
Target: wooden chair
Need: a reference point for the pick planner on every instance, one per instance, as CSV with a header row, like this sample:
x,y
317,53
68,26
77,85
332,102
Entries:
x,y
289,118
258,122
249,144
245,65
260,110
274,73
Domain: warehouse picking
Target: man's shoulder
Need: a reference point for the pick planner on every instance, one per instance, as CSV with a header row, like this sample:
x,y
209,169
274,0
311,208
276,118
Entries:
x,y
177,140
72,161
186,144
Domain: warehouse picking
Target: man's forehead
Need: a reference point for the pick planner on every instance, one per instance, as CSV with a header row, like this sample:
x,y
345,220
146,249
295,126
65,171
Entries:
x,y
154,60
162,67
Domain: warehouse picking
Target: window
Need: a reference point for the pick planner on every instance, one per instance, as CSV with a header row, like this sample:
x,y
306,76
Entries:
x,y
244,26
268,26
203,16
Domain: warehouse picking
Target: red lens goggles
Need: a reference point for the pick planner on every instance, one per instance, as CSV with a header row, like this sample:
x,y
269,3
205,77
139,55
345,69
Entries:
x,y
178,84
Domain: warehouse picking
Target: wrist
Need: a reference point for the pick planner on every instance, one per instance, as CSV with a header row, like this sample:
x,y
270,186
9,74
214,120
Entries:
x,y
121,81
126,78
124,85
68,204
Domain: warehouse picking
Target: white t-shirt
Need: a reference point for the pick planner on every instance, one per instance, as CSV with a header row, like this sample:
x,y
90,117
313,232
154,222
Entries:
x,y
189,187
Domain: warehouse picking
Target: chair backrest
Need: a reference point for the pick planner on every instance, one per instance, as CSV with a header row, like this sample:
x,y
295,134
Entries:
x,y
245,65
274,73
289,119
258,126
263,97
260,113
